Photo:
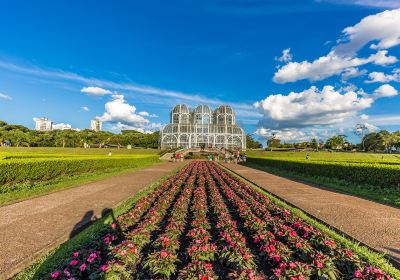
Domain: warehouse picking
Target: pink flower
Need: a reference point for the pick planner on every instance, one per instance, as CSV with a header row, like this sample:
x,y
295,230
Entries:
x,y
123,253
74,262
76,254
82,267
113,225
358,274
55,274
163,254
67,273
104,267
277,272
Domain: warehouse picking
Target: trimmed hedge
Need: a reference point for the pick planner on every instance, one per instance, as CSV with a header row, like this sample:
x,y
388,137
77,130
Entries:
x,y
380,175
17,171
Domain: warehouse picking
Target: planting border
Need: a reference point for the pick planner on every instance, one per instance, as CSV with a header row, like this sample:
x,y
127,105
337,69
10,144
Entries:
x,y
371,255
45,264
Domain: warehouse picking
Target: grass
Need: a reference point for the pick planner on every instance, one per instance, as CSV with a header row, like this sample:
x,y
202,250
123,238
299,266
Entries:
x,y
372,257
44,266
328,156
74,151
19,192
389,196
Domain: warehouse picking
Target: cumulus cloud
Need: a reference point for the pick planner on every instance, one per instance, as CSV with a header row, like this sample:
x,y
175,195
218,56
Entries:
x,y
5,96
118,110
96,91
352,72
326,66
381,30
380,77
286,56
384,91
150,128
391,4
311,107
85,108
296,135
364,117
62,126
144,114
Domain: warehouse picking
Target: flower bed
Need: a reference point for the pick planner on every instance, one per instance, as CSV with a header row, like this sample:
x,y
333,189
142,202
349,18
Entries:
x,y
204,223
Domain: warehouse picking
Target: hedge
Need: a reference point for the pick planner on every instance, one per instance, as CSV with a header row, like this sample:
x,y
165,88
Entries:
x,y
17,171
380,175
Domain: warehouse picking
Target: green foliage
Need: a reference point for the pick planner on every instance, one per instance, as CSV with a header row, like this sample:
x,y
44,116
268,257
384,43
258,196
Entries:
x,y
20,135
375,174
41,169
251,143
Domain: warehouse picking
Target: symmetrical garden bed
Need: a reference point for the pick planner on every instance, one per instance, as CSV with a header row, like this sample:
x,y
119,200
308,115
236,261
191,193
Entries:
x,y
204,223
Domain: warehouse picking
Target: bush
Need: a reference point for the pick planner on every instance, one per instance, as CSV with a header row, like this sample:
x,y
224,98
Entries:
x,y
380,175
17,171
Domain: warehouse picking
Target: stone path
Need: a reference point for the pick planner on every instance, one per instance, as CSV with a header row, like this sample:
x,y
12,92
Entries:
x,y
31,228
371,223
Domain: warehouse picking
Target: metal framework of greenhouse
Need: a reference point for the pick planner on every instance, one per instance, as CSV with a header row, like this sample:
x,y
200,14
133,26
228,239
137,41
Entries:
x,y
202,127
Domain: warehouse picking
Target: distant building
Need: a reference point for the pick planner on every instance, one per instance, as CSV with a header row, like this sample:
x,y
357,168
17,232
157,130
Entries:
x,y
202,127
96,125
43,124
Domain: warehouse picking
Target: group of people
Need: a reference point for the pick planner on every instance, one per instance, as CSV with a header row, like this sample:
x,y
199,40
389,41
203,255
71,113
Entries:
x,y
6,143
177,157
234,157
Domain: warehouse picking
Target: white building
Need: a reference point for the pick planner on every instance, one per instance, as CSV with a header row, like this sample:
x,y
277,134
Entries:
x,y
43,124
202,127
96,125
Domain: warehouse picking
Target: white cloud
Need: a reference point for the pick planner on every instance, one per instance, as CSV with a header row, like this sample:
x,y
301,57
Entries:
x,y
144,114
391,4
364,117
381,29
85,108
286,56
170,97
144,129
5,96
95,91
62,126
380,77
311,107
119,111
295,135
352,72
384,91
327,66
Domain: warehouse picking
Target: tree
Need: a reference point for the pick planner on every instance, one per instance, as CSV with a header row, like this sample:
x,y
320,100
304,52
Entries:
x,y
314,144
336,142
273,142
251,143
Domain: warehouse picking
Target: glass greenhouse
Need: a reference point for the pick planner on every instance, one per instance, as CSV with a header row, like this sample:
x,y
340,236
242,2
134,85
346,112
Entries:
x,y
202,127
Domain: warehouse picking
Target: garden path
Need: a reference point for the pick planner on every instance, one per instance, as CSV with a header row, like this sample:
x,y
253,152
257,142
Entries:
x,y
31,228
376,225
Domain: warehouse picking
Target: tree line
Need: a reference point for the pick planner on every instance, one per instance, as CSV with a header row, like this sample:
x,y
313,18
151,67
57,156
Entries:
x,y
382,141
21,136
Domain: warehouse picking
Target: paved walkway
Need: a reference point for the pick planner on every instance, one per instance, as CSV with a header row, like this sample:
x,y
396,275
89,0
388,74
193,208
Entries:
x,y
31,228
373,224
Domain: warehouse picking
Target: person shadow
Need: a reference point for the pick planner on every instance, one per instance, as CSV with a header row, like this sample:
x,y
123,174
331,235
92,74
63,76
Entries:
x,y
65,250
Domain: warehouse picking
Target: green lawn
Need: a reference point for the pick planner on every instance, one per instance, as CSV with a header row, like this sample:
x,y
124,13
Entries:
x,y
371,176
31,172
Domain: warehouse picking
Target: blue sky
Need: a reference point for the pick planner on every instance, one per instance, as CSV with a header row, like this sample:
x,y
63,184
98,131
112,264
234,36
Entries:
x,y
129,62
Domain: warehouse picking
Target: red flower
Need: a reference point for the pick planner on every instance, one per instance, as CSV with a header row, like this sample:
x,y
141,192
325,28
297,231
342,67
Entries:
x,y
163,254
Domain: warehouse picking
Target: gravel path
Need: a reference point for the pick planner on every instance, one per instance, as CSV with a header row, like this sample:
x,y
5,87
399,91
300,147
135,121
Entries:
x,y
31,228
371,223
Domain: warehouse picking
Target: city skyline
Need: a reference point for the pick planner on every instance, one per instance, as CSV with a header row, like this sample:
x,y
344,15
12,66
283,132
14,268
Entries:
x,y
298,69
